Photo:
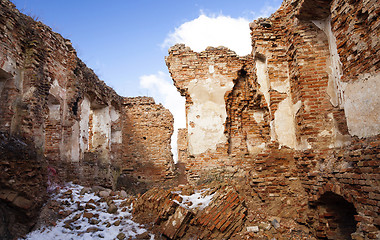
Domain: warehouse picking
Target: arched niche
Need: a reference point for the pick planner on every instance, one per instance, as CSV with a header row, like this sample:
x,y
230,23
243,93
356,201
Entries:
x,y
335,217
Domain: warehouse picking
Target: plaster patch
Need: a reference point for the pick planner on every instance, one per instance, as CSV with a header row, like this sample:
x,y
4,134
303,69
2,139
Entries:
x,y
324,133
362,106
114,114
258,115
209,105
9,66
280,86
29,93
54,111
116,137
284,123
335,86
211,69
101,128
262,79
57,91
255,149
84,120
337,138
74,143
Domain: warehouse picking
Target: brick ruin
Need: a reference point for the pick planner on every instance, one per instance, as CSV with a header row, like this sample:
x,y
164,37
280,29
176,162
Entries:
x,y
289,134
68,124
297,120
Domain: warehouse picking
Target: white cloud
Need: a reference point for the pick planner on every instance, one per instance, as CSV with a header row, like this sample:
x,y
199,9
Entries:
x,y
266,11
213,31
161,87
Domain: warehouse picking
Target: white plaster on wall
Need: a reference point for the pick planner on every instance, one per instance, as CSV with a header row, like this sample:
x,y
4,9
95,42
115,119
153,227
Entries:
x,y
54,111
359,99
83,124
11,72
211,69
338,139
262,79
253,148
101,128
116,137
335,86
282,128
114,114
208,103
258,115
284,123
280,86
57,91
362,106
74,143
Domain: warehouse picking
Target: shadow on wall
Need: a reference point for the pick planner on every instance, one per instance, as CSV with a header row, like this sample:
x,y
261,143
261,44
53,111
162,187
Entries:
x,y
335,217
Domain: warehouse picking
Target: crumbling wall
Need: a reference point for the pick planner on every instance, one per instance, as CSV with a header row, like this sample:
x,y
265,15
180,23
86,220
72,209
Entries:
x,y
75,120
210,81
23,186
49,96
307,106
78,128
146,134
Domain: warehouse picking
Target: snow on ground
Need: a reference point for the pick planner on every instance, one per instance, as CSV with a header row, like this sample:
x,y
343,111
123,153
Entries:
x,y
89,218
198,200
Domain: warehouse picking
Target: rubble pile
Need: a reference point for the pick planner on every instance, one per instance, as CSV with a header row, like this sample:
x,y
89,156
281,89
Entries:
x,y
77,212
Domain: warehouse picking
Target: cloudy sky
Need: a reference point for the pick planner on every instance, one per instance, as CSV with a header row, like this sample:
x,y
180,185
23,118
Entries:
x,y
125,41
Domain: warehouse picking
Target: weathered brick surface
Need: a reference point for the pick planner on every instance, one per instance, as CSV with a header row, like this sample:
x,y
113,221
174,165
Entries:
x,y
290,129
77,122
80,128
222,218
23,183
147,130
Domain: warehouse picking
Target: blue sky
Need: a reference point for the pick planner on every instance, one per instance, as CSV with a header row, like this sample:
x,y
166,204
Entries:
x,y
125,41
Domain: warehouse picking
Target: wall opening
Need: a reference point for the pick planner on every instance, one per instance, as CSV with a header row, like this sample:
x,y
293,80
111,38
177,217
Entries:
x,y
336,217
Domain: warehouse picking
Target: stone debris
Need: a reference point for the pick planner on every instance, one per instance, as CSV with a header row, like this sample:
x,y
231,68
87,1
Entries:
x,y
220,218
253,229
96,222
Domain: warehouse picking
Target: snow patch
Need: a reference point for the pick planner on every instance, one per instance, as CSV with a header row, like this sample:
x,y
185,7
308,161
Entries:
x,y
81,227
197,200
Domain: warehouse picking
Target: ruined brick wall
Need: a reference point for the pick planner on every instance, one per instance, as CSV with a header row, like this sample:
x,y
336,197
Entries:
x,y
183,154
48,95
147,128
75,120
23,186
313,121
209,80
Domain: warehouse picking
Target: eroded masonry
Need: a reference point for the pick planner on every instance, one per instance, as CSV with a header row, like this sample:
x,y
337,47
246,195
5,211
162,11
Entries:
x,y
60,123
286,139
298,119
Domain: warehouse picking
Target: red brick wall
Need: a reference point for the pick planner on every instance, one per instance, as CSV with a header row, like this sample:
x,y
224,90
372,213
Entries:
x,y
147,129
